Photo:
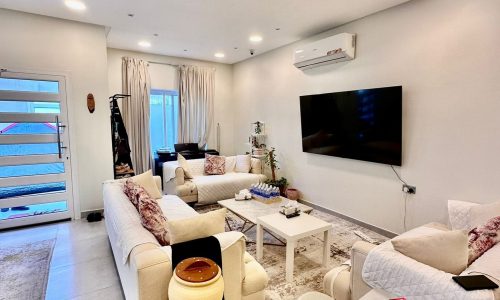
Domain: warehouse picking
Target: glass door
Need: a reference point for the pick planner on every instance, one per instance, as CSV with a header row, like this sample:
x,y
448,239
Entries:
x,y
35,162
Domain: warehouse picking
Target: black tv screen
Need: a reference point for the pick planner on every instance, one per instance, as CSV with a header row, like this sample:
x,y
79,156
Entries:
x,y
362,124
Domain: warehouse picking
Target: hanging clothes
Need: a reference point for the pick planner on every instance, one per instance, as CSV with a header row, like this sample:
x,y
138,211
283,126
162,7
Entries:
x,y
121,149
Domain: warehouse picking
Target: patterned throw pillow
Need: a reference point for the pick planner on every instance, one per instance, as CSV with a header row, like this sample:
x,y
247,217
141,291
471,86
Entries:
x,y
215,165
152,217
132,189
483,238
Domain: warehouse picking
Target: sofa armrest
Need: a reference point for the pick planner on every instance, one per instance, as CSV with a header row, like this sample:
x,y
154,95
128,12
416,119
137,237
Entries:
x,y
158,182
170,183
154,271
336,283
359,252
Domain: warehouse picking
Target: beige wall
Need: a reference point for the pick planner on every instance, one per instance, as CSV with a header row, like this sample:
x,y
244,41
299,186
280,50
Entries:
x,y
47,45
445,55
165,77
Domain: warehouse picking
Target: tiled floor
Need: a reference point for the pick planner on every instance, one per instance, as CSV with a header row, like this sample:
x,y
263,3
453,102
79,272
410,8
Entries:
x,y
82,265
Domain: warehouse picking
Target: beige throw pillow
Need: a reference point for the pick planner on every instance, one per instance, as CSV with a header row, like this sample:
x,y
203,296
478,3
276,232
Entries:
x,y
480,214
185,166
147,181
243,163
445,250
201,226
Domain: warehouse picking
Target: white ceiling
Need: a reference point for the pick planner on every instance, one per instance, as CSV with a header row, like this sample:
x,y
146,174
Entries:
x,y
204,27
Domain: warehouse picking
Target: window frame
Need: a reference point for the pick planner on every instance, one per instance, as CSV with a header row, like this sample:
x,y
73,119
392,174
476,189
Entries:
x,y
164,94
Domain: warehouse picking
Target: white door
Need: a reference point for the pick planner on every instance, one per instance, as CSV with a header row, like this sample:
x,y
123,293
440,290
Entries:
x,y
35,162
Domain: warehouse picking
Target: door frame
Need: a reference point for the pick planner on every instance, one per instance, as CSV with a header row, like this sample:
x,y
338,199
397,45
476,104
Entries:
x,y
74,207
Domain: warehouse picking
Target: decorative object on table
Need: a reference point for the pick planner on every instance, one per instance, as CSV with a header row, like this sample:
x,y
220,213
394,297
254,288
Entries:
x,y
292,194
243,195
265,193
272,163
90,102
290,209
196,278
257,139
119,137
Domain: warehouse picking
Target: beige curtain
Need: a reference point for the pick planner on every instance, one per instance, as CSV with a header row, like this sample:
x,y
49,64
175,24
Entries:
x,y
196,96
137,83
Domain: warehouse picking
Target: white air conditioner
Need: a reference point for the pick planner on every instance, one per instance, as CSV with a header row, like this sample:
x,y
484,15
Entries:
x,y
337,48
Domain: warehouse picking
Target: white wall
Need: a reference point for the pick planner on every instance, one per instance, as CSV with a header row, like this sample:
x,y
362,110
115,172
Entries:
x,y
165,77
42,44
445,55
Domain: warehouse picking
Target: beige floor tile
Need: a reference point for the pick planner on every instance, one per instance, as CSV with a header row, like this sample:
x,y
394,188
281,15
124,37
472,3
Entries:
x,y
79,279
110,293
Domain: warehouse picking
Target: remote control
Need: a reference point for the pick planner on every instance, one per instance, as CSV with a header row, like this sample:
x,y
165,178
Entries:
x,y
365,237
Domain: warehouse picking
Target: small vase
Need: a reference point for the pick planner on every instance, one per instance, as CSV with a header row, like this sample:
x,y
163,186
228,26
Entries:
x,y
292,194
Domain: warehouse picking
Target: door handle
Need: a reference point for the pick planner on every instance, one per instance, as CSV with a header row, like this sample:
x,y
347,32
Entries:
x,y
58,128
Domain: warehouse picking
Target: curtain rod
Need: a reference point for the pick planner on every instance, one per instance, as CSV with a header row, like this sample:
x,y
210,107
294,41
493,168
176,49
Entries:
x,y
162,63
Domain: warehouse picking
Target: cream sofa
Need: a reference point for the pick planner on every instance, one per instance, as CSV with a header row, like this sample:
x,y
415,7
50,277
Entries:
x,y
207,189
346,282
144,266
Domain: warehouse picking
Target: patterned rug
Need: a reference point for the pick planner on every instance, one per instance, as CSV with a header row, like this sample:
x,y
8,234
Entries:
x,y
308,271
24,270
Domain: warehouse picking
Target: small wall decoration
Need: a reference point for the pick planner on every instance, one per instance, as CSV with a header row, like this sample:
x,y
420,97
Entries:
x,y
90,103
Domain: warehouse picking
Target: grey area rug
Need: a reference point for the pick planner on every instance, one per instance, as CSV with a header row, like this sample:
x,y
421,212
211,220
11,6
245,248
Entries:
x,y
24,270
308,270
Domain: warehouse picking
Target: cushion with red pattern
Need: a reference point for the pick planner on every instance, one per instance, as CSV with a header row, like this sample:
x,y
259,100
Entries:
x,y
215,165
483,238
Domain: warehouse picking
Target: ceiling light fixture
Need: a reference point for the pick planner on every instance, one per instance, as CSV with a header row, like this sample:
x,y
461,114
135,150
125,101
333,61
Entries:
x,y
299,51
144,44
75,5
255,38
219,55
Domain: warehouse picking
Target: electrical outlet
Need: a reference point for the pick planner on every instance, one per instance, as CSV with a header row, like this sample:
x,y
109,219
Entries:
x,y
409,189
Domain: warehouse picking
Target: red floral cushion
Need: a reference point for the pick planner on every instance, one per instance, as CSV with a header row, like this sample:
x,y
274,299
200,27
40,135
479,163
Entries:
x,y
482,238
215,165
131,189
149,210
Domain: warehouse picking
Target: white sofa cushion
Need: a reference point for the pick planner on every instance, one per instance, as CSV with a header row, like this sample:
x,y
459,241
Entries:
x,y
175,208
243,163
230,163
147,181
196,227
183,163
480,214
444,250
459,214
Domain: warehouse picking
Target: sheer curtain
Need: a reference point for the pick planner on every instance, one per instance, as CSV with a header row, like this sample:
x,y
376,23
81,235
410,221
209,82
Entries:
x,y
136,83
196,96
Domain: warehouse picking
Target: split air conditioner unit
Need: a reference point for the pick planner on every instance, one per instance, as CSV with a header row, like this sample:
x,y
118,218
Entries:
x,y
334,49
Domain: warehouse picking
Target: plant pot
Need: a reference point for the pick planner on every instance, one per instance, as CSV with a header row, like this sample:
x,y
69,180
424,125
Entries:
x,y
292,194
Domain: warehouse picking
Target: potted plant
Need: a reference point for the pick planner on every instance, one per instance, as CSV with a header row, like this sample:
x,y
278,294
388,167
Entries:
x,y
272,162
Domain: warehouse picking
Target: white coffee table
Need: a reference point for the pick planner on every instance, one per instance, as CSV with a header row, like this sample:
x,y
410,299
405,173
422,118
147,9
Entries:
x,y
250,210
292,230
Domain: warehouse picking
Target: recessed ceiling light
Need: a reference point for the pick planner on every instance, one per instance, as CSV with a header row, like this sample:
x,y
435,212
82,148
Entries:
x,y
277,28
130,15
235,48
144,44
299,51
155,34
185,50
255,38
219,55
75,4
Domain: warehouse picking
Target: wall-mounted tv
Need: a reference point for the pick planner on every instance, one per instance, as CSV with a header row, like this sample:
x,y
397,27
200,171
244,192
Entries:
x,y
362,124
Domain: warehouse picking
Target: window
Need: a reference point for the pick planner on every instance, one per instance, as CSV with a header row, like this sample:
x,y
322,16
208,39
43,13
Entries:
x,y
163,119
